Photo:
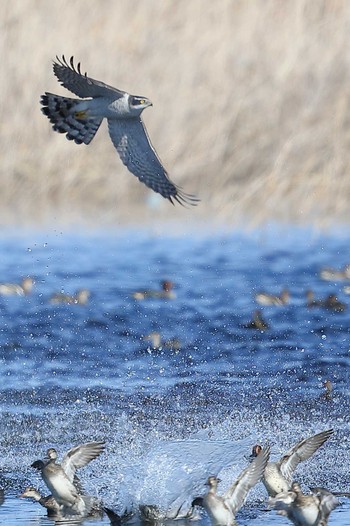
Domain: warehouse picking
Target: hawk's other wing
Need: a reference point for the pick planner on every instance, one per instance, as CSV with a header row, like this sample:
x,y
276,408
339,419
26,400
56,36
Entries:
x,y
79,83
131,140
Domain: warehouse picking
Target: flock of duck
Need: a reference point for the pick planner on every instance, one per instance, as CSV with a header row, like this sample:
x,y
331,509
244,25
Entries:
x,y
166,292
25,287
330,302
68,500
81,296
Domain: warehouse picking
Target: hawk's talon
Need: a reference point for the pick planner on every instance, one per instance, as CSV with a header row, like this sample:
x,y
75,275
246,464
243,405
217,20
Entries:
x,y
80,114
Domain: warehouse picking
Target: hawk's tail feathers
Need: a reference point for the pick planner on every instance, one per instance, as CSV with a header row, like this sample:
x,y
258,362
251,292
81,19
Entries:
x,y
60,112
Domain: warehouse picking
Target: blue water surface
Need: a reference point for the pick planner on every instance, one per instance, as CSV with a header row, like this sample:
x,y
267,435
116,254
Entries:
x,y
171,416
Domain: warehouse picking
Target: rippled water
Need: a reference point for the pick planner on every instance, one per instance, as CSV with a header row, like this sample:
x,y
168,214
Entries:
x,y
171,416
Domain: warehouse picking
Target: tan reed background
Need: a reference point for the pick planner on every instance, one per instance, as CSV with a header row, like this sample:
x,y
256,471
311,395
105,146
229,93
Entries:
x,y
251,109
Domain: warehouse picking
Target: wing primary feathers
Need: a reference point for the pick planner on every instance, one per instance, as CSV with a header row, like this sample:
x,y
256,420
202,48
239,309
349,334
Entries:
x,y
184,199
71,61
72,78
63,62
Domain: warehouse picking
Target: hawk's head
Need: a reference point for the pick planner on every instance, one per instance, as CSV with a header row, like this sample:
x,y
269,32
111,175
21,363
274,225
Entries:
x,y
138,104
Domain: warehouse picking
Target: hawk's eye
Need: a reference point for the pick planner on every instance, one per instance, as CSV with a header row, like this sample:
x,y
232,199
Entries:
x,y
137,101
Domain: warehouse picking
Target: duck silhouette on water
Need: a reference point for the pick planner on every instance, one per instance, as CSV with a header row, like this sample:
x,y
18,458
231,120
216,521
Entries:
x,y
331,302
157,343
328,390
81,297
257,322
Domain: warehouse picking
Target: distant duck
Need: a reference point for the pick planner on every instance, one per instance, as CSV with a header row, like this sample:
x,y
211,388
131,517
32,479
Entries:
x,y
22,289
166,292
81,297
328,387
331,274
223,509
59,478
264,298
278,475
157,343
311,301
257,322
346,289
305,510
331,302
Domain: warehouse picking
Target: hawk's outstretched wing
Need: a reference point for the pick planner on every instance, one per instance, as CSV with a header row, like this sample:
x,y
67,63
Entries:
x,y
131,140
79,83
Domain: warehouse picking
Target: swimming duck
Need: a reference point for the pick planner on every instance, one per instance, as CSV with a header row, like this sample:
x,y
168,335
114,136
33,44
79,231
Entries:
x,y
55,510
328,387
311,301
52,507
81,297
278,475
263,298
322,491
157,342
331,302
331,274
222,509
22,289
59,478
257,322
166,292
305,510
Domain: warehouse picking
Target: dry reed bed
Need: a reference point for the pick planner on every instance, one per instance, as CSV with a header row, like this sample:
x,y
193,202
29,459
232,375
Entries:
x,y
251,108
